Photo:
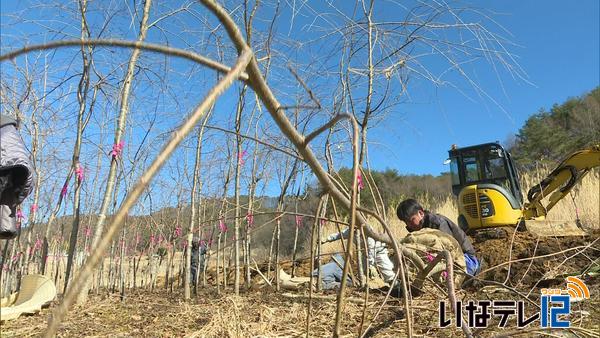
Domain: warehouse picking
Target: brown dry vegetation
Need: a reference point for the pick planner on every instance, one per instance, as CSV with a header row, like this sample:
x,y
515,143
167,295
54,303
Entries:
x,y
263,312
514,267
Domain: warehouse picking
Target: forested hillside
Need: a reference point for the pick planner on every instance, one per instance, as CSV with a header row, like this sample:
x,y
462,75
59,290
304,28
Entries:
x,y
549,135
393,187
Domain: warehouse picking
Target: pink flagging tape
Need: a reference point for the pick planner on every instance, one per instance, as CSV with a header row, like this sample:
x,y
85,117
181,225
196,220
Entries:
x,y
117,149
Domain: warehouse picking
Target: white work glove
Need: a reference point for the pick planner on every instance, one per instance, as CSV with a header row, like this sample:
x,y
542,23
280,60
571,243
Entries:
x,y
373,272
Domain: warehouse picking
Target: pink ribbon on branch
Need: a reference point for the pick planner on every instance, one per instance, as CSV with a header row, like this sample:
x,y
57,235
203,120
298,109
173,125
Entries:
x,y
429,257
79,173
360,183
88,231
241,157
177,231
20,216
299,219
250,219
117,149
63,191
16,257
38,244
33,208
222,226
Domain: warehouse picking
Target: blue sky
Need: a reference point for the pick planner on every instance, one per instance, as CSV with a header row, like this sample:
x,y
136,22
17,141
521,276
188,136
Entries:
x,y
555,42
557,46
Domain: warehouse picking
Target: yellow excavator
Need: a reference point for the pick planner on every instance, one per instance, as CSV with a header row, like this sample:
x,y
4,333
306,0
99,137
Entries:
x,y
486,184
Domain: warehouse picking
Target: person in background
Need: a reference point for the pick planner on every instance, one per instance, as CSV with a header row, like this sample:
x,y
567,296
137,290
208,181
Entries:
x,y
198,255
16,175
416,218
331,273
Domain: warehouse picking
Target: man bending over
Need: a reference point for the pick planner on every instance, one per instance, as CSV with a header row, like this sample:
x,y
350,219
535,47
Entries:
x,y
416,218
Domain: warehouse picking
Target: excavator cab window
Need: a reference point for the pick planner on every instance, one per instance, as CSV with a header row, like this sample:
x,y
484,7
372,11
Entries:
x,y
471,168
454,175
494,165
513,177
483,164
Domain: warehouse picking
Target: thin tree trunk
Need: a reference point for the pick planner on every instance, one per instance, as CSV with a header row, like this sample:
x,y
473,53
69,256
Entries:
x,y
296,229
118,145
109,281
35,154
122,259
238,169
223,232
4,260
250,218
218,267
271,251
82,93
314,249
195,183
322,212
277,248
7,276
225,261
199,191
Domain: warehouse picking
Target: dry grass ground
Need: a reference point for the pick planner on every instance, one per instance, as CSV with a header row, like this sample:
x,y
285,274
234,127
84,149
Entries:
x,y
261,312
514,266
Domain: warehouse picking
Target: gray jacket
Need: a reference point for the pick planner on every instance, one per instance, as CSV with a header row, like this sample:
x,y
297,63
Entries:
x,y
16,175
443,223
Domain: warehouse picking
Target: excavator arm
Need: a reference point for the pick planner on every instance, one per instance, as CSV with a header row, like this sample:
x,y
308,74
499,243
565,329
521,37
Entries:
x,y
560,181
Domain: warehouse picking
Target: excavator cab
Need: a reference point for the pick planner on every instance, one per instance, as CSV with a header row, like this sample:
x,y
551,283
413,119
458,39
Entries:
x,y
486,184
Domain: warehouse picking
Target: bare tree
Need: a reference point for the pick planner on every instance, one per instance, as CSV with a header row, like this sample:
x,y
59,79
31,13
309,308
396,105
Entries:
x,y
76,166
118,144
193,216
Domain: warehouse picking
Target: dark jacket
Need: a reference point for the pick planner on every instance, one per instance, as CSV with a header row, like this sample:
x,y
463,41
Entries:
x,y
443,223
16,175
198,252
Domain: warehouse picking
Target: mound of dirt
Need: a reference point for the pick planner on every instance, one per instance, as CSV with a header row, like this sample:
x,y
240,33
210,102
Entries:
x,y
521,258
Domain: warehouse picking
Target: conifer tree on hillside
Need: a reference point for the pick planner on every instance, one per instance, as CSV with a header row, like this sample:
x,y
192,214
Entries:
x,y
551,135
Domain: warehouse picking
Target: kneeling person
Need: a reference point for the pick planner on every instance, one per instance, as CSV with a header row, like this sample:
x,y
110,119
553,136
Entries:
x,y
377,256
416,218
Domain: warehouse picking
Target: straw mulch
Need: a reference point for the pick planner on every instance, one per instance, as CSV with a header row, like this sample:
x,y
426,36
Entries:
x,y
261,312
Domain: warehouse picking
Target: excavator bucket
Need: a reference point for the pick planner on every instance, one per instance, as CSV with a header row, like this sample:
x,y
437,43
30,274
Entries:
x,y
545,228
